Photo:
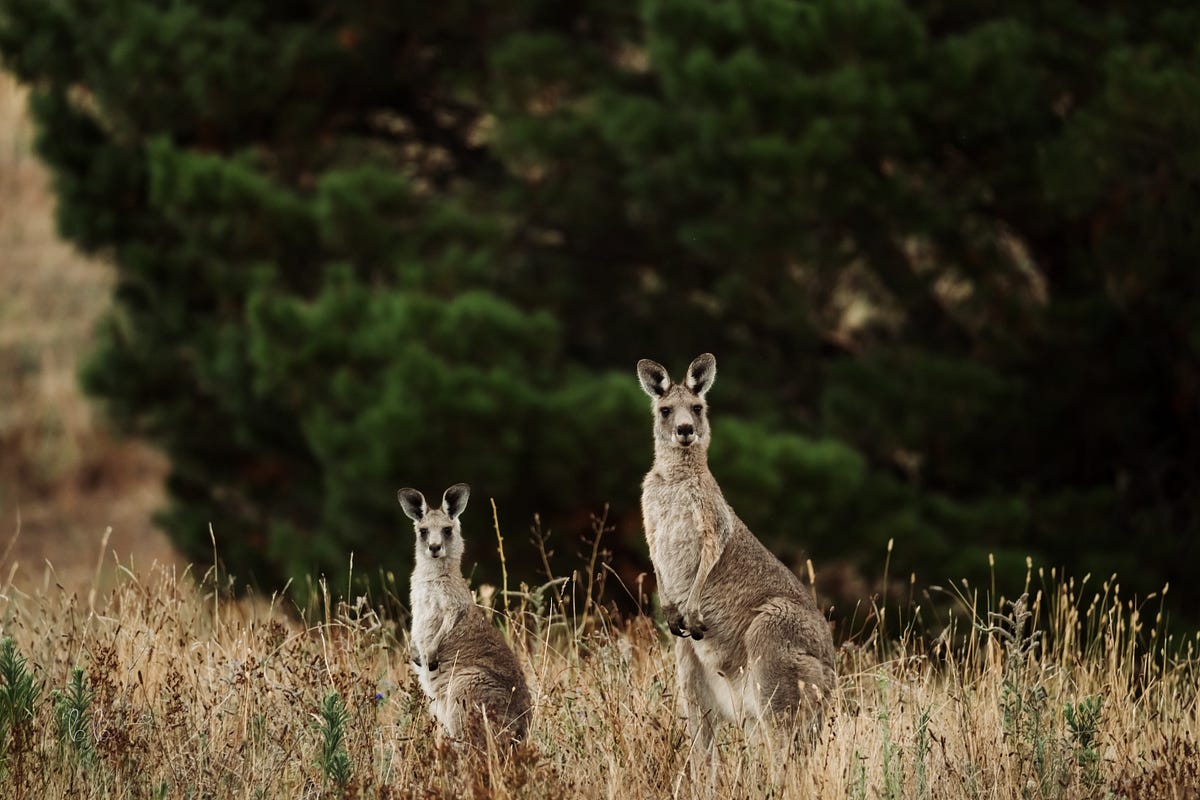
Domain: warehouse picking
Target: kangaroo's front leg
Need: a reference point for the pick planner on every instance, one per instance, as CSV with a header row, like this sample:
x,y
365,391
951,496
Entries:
x,y
433,651
693,618
674,619
670,611
712,544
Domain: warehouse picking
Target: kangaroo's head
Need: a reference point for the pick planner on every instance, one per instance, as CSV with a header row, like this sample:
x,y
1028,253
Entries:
x,y
439,534
680,413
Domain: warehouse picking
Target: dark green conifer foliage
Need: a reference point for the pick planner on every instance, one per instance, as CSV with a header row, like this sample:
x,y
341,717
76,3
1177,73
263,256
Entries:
x,y
944,253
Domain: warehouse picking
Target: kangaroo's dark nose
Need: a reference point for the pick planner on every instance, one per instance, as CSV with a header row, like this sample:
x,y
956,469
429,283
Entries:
x,y
685,430
434,549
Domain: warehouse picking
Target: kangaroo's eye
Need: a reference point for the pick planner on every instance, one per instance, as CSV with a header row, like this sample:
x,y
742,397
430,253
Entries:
x,y
697,409
447,531
424,532
666,412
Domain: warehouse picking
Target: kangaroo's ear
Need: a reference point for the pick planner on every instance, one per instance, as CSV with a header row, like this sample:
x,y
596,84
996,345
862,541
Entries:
x,y
413,503
654,378
701,373
454,501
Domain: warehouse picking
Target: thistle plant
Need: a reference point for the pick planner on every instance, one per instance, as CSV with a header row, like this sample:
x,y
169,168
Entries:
x,y
18,695
72,715
1083,725
331,724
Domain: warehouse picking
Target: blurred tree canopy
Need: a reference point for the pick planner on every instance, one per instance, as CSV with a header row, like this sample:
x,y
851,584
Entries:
x,y
945,253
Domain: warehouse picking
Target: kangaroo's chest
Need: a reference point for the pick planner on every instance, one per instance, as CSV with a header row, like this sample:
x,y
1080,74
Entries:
x,y
677,513
432,601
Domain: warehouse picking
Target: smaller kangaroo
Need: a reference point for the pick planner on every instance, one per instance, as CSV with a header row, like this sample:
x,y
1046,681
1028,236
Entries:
x,y
753,646
462,661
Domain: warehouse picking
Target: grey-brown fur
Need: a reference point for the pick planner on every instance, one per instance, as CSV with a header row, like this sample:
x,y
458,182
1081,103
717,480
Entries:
x,y
462,661
753,646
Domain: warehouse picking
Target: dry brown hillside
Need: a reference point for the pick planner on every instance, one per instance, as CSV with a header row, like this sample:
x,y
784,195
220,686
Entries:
x,y
63,478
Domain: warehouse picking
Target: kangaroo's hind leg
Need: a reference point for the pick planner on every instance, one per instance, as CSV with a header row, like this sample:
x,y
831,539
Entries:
x,y
696,702
791,669
698,706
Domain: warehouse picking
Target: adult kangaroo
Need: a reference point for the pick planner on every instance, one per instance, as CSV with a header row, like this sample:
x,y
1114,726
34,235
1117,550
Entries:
x,y
753,648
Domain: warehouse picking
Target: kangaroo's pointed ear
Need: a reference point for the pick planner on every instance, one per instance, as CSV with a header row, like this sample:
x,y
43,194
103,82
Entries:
x,y
701,373
454,501
413,503
654,378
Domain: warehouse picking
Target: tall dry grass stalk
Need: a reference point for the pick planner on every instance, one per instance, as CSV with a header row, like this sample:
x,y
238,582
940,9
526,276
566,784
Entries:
x,y
1068,691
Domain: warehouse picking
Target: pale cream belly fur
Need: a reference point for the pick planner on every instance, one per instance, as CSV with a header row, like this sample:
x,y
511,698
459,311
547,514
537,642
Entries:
x,y
734,695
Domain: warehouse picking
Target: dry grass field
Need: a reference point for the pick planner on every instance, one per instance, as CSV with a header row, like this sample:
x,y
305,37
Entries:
x,y
162,687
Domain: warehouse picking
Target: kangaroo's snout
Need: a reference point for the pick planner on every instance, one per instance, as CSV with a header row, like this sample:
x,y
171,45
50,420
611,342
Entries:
x,y
685,433
435,550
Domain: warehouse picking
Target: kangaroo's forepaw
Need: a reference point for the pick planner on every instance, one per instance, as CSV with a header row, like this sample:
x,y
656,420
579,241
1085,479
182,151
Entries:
x,y
675,621
694,625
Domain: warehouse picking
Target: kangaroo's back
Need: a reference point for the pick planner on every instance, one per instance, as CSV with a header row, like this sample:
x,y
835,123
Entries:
x,y
747,579
484,679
